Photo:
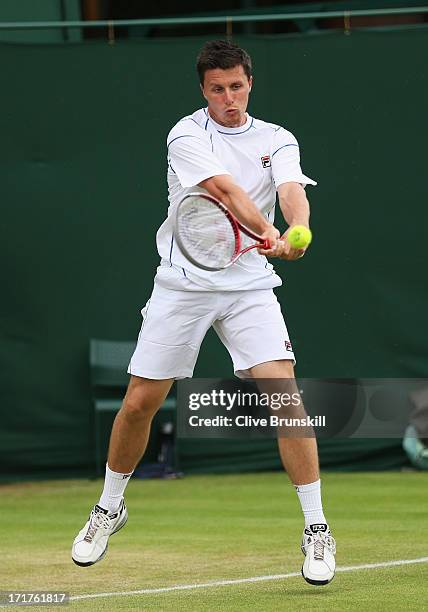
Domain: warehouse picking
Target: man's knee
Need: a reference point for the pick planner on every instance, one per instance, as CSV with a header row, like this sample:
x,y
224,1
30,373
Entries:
x,y
281,368
144,397
287,365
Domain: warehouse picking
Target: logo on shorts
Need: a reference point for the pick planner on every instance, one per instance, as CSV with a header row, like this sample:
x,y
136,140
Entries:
x,y
288,346
265,161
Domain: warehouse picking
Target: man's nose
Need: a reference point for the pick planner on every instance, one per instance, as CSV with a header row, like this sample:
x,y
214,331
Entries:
x,y
228,98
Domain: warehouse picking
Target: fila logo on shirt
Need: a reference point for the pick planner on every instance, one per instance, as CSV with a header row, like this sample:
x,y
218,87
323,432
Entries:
x,y
265,159
288,346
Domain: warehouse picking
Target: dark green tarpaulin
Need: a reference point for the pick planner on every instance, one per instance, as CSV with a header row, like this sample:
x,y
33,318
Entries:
x,y
82,176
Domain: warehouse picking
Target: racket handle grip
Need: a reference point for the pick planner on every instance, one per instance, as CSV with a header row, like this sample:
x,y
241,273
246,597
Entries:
x,y
265,244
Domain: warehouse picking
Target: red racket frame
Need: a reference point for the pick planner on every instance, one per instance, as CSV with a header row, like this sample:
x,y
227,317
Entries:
x,y
237,227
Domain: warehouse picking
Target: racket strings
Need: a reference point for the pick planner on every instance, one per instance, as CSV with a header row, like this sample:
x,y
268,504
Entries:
x,y
206,233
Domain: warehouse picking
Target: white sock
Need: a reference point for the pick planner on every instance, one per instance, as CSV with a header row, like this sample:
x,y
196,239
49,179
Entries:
x,y
310,500
114,488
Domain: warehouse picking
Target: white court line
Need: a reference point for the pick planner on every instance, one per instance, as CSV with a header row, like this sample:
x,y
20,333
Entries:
x,y
217,583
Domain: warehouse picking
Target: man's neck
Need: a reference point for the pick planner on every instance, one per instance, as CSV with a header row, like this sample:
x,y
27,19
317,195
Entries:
x,y
236,124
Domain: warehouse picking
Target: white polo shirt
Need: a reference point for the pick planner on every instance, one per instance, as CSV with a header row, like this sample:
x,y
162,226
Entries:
x,y
260,156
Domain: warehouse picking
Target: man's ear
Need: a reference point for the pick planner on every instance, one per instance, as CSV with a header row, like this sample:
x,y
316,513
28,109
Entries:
x,y
202,90
250,82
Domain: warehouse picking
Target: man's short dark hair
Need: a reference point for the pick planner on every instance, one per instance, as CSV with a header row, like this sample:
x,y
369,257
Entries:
x,y
222,54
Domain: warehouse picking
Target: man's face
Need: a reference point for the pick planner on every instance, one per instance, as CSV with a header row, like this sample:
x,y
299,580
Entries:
x,y
226,92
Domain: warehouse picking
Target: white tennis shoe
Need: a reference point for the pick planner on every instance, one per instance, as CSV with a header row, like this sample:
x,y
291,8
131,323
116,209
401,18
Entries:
x,y
91,543
319,548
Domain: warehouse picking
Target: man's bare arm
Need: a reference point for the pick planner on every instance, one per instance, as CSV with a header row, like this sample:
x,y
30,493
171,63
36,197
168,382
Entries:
x,y
295,209
224,188
294,204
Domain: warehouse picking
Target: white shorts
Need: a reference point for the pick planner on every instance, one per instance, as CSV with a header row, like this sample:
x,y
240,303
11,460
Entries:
x,y
249,323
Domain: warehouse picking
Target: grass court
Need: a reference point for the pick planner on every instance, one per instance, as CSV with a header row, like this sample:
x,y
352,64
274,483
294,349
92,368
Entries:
x,y
207,529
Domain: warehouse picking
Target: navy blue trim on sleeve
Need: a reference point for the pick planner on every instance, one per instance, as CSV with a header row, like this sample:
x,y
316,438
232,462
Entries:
x,y
170,250
283,147
177,137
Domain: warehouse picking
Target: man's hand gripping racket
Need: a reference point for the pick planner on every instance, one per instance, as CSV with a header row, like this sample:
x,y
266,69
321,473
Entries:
x,y
210,236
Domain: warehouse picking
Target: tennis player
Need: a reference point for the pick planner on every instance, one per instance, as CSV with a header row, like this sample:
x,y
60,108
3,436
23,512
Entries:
x,y
245,163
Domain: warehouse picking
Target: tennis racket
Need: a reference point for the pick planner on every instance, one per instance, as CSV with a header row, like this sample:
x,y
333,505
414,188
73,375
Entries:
x,y
209,235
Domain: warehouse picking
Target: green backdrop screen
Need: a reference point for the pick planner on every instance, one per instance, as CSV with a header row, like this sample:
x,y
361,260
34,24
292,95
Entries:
x,y
83,166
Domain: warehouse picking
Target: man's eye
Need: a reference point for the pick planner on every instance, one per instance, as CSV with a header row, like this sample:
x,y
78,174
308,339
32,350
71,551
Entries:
x,y
236,86
217,89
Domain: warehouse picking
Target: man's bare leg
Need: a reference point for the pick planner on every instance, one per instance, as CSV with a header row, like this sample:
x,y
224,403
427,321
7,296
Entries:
x,y
300,459
131,428
299,456
129,436
128,442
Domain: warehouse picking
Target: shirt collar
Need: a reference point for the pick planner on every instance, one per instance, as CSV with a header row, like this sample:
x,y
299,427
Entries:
x,y
230,130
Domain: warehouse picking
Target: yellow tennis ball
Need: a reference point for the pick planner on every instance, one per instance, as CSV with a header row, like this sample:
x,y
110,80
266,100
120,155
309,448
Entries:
x,y
299,236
